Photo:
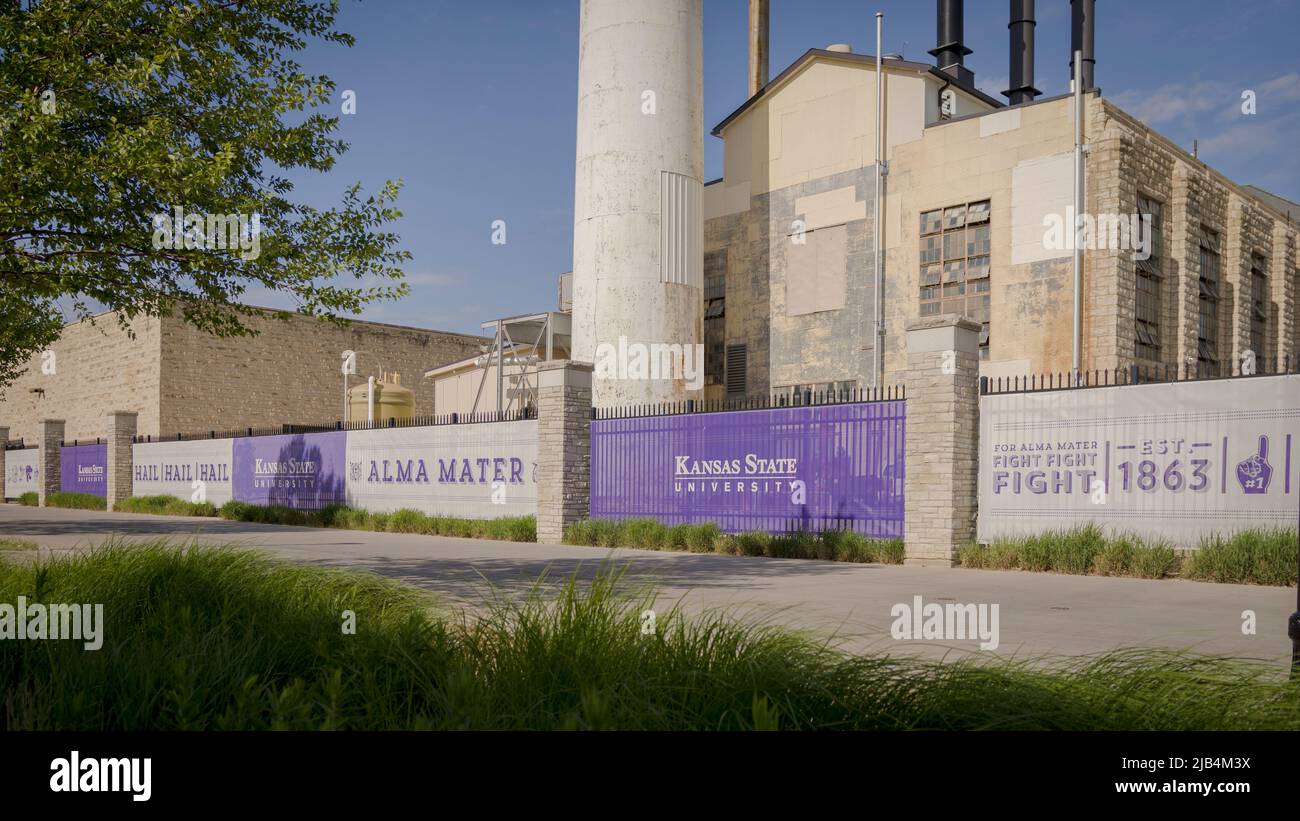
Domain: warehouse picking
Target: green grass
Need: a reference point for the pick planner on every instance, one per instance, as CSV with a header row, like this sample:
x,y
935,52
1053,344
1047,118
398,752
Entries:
x,y
203,639
506,528
650,534
165,506
17,544
31,499
1248,557
1262,556
80,501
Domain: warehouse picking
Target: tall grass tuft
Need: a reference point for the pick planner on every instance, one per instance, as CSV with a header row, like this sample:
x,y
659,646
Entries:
x,y
1080,550
506,528
202,639
29,499
165,506
75,500
650,534
1259,556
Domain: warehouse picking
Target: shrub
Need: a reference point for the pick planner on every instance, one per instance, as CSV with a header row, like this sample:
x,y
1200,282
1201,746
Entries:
x,y
679,538
648,534
1074,550
973,555
31,499
1003,555
200,657
845,546
580,533
1257,556
165,506
889,551
1034,552
752,543
78,501
702,538
1152,561
1116,556
408,521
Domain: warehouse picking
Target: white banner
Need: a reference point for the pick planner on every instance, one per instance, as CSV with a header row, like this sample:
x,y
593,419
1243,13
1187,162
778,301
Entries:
x,y
1175,461
196,471
22,472
478,471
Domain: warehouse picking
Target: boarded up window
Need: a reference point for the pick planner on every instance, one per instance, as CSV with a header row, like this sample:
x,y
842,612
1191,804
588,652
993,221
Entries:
x,y
816,276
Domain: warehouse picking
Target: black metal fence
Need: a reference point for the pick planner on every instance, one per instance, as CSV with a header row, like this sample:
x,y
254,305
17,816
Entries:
x,y
295,429
789,399
1132,375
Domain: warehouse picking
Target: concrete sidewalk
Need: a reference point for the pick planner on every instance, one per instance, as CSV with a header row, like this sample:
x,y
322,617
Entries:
x,y
1040,614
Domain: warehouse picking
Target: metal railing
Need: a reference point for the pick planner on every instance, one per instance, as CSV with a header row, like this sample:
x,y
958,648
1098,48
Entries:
x,y
800,399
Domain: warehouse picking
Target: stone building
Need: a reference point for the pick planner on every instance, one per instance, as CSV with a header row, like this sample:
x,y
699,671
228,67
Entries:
x,y
972,189
182,380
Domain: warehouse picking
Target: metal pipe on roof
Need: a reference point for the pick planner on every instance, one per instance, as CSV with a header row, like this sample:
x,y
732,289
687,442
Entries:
x,y
1022,28
1083,28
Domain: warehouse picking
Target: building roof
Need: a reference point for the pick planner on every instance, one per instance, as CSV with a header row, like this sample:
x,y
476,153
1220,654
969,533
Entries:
x,y
861,60
1284,206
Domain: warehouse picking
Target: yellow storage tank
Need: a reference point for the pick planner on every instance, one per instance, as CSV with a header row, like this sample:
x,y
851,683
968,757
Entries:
x,y
392,401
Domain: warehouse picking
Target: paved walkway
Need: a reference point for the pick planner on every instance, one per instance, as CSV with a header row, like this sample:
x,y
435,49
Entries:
x,y
1039,614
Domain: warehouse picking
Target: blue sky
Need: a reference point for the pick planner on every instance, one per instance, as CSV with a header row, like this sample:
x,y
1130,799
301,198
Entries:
x,y
473,105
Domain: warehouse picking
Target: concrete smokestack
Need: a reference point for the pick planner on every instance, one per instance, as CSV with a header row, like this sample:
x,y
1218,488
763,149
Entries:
x,y
638,255
1083,29
1021,30
759,32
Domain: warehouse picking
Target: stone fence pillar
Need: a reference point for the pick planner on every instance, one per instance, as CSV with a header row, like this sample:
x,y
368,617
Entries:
x,y
563,447
50,457
942,438
121,432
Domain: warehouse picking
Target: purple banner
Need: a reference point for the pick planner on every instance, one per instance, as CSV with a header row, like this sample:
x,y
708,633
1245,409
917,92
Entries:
x,y
829,467
83,469
303,471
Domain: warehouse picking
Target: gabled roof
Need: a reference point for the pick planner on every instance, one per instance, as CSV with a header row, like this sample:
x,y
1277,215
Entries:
x,y
865,60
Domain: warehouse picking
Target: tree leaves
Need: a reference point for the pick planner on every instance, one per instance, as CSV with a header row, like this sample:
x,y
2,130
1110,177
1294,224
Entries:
x,y
113,112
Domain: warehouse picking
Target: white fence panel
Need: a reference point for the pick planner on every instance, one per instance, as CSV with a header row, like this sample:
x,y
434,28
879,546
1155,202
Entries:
x,y
475,471
1174,460
22,472
198,470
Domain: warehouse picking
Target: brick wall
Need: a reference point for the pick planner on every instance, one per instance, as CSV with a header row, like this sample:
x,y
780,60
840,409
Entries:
x,y
97,367
181,380
290,371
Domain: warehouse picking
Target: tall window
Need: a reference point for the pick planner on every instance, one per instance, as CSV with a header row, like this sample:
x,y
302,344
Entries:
x,y
1207,329
1148,282
1258,305
955,244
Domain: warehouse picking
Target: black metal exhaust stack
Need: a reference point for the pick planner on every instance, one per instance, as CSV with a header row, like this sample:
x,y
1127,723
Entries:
x,y
1083,29
949,54
1022,53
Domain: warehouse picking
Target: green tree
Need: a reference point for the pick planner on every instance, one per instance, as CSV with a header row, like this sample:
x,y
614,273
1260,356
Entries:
x,y
115,113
